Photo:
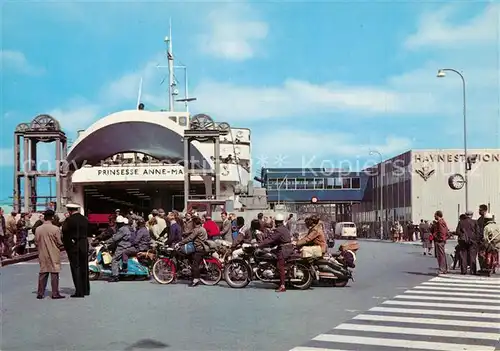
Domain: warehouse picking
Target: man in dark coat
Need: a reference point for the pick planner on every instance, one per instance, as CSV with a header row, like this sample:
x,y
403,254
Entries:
x,y
75,229
467,230
280,237
483,209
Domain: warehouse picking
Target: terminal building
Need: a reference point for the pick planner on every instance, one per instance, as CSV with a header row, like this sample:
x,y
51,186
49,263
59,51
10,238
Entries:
x,y
412,186
417,183
333,191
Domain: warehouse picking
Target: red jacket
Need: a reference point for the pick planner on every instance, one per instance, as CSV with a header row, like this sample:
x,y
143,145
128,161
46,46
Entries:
x,y
212,228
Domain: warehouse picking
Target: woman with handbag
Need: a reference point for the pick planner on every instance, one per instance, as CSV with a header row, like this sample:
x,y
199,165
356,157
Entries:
x,y
197,239
426,236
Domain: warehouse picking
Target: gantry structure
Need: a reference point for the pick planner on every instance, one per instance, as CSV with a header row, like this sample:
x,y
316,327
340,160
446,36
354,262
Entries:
x,y
27,171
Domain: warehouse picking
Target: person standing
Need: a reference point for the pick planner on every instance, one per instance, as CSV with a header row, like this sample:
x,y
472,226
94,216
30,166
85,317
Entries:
x,y
491,243
291,224
74,230
175,234
440,237
425,234
466,231
280,237
199,237
483,210
49,243
212,228
225,232
3,233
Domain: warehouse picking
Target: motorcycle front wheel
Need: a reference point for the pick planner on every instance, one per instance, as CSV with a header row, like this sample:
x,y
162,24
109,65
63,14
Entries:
x,y
210,274
164,271
94,275
307,278
237,274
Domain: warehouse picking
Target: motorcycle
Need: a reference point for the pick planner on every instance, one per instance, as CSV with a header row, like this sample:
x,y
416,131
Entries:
x,y
258,264
329,270
173,264
221,251
101,265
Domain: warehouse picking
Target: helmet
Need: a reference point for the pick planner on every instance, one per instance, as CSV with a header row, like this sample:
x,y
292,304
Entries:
x,y
121,219
279,217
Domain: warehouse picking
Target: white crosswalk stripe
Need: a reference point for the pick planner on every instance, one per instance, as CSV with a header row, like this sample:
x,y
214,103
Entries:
x,y
447,313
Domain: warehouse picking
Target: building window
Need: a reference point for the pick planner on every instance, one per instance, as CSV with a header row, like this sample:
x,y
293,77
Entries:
x,y
301,183
329,183
356,183
337,183
310,183
271,184
290,184
346,183
319,183
280,183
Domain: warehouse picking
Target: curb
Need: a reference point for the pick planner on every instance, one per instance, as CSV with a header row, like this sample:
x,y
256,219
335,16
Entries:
x,y
23,258
414,243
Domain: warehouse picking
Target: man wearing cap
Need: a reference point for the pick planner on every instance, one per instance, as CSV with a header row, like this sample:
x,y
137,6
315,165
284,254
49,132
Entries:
x,y
122,241
75,232
466,231
140,241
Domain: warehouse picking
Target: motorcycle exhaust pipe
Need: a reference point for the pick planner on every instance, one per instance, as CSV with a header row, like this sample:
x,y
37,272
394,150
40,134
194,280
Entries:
x,y
328,269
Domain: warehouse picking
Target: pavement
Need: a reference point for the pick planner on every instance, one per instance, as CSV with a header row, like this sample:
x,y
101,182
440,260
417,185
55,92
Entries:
x,y
395,286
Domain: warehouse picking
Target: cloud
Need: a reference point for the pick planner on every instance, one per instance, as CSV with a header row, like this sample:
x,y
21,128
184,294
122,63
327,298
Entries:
x,y
436,29
234,33
16,61
6,157
314,149
76,114
295,98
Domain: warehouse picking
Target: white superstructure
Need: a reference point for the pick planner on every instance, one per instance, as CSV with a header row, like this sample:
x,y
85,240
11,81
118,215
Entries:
x,y
139,154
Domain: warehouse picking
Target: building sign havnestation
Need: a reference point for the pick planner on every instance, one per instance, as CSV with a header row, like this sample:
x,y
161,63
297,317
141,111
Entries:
x,y
455,158
139,171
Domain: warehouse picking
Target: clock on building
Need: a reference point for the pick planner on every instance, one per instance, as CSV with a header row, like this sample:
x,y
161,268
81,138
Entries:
x,y
456,181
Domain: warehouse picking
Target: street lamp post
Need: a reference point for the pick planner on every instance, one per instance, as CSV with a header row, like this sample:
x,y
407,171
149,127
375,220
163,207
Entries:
x,y
381,183
441,74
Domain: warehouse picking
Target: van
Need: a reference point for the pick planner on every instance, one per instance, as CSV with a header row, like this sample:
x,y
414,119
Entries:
x,y
346,230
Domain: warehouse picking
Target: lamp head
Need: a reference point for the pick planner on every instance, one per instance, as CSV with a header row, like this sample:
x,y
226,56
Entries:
x,y
441,73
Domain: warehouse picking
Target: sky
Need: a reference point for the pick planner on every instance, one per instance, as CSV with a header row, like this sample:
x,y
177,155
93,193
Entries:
x,y
317,83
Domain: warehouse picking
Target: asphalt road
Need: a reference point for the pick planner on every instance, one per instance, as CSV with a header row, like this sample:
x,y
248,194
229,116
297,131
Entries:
x,y
144,315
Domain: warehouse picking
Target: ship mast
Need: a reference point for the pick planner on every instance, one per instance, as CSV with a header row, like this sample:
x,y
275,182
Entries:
x,y
171,78
172,85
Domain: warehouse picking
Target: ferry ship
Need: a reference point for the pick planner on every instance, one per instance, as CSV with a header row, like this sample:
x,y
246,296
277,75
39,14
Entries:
x,y
135,158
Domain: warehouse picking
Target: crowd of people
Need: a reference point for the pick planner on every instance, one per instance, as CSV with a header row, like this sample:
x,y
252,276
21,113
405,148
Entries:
x,y
478,240
14,229
128,233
